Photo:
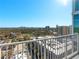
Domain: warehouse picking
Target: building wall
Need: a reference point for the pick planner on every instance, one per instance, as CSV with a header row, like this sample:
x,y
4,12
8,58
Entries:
x,y
63,30
76,16
76,23
76,5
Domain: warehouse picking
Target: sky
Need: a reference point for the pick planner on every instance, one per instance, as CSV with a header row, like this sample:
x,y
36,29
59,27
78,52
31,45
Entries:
x,y
35,13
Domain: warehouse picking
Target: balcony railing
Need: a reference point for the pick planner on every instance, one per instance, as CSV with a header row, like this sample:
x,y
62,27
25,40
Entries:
x,y
60,47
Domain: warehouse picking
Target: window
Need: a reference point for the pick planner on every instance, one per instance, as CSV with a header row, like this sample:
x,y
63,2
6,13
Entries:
x,y
76,5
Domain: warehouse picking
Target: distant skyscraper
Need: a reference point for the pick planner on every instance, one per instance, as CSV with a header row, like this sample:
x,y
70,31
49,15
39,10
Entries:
x,y
62,30
75,10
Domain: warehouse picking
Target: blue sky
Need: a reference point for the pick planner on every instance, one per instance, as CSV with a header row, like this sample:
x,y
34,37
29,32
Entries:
x,y
34,13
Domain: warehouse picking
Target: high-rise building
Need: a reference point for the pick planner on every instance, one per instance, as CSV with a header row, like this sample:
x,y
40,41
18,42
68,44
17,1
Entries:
x,y
70,29
62,30
75,16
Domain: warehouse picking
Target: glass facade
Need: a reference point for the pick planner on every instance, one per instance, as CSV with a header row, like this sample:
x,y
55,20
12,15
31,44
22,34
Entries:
x,y
76,5
76,16
76,23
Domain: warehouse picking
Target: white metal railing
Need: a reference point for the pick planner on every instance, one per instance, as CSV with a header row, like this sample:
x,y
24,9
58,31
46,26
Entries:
x,y
60,47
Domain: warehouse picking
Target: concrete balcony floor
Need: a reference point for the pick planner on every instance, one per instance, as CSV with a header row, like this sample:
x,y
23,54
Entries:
x,y
76,57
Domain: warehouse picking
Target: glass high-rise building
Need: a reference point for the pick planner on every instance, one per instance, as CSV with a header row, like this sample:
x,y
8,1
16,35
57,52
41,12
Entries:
x,y
75,11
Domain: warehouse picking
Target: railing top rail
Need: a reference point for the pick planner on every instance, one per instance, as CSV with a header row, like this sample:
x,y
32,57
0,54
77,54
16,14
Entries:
x,y
40,39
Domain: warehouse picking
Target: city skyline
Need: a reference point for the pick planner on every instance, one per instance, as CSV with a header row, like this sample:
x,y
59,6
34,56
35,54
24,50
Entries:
x,y
35,13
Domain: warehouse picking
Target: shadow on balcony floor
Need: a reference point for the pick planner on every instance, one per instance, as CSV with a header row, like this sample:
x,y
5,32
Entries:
x,y
76,57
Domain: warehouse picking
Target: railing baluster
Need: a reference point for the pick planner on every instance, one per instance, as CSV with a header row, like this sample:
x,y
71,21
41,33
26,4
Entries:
x,y
22,50
27,51
38,49
50,50
65,47
44,49
62,47
35,50
47,51
57,48
41,50
0,52
31,47
12,50
17,51
77,42
7,56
